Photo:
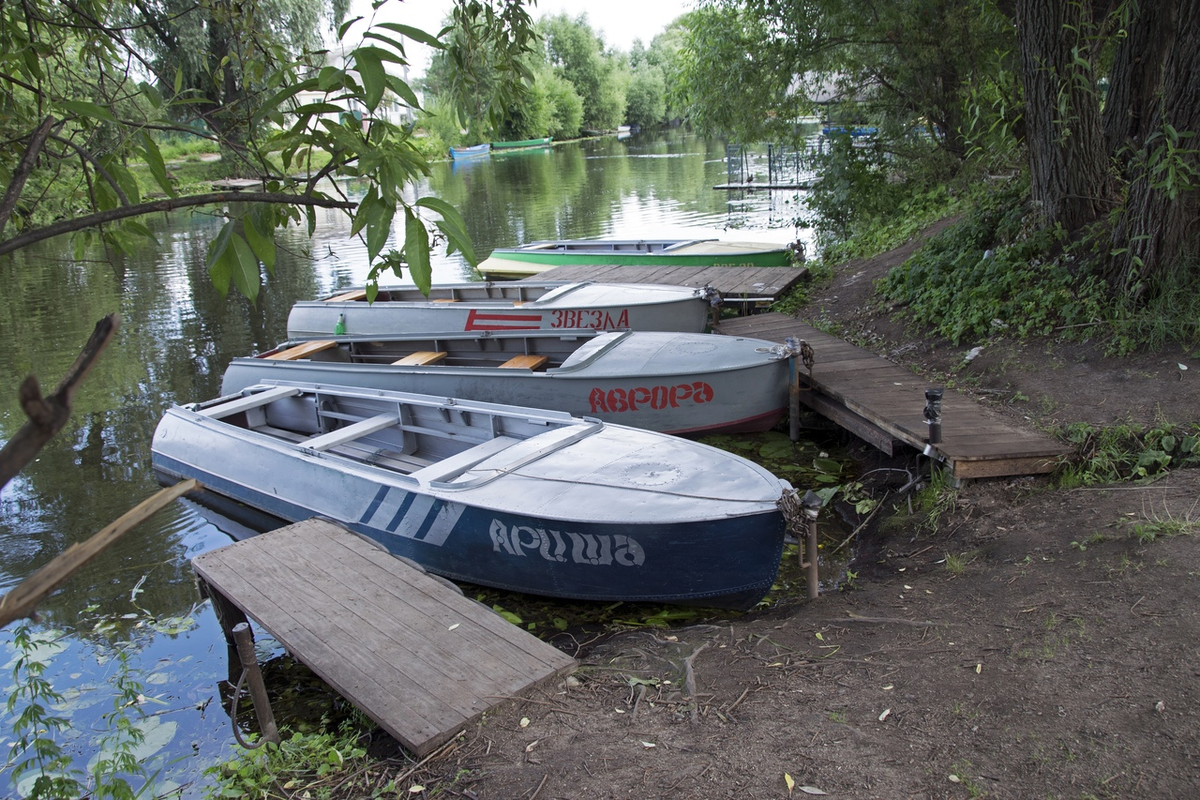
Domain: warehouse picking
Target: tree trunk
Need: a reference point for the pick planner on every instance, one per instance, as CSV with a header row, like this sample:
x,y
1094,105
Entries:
x,y
1066,146
1160,229
1136,76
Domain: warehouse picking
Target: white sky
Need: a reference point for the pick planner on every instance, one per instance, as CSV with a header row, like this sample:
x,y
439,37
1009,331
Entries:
x,y
619,22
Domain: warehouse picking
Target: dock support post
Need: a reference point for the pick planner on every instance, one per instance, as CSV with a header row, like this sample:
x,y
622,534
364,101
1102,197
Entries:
x,y
258,689
796,348
811,503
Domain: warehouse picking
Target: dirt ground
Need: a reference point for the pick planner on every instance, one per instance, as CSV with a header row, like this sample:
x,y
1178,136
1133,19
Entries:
x,y
1037,643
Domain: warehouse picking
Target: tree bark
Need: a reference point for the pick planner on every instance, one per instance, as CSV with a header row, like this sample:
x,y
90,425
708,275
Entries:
x,y
1136,77
1160,229
1066,147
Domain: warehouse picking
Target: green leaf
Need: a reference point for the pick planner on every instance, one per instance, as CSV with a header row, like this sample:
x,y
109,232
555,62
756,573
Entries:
x,y
453,226
244,268
345,26
155,163
374,78
416,251
220,269
416,34
403,91
259,226
90,110
379,227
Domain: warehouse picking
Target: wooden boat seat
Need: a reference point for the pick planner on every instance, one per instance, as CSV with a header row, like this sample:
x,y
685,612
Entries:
x,y
450,468
352,432
302,350
445,300
421,358
248,402
347,297
526,362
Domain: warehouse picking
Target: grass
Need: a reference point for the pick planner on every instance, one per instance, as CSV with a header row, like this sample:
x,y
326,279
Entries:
x,y
1164,524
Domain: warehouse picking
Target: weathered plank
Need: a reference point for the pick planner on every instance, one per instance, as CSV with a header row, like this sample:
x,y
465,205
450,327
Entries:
x,y
409,650
883,403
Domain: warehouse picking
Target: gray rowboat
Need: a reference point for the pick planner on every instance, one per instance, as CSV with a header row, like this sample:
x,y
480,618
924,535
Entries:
x,y
683,383
479,307
516,498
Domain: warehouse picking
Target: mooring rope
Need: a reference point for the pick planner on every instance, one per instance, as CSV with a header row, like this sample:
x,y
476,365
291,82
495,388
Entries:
x,y
237,691
793,512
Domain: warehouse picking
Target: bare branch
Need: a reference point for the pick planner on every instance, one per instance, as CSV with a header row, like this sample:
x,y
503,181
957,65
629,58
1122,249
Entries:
x,y
48,415
23,600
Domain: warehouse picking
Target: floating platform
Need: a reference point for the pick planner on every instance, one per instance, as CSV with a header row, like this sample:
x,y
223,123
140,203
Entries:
x,y
406,647
751,185
753,285
883,404
238,184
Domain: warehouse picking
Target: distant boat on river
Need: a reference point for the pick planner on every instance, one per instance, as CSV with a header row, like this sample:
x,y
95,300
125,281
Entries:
x,y
473,151
682,383
505,306
512,497
537,257
518,145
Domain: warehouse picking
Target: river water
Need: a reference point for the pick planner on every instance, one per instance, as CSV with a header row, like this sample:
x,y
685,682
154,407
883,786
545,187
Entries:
x,y
177,335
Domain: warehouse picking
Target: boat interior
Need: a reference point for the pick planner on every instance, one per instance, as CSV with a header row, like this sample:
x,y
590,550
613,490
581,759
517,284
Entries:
x,y
505,292
429,439
533,353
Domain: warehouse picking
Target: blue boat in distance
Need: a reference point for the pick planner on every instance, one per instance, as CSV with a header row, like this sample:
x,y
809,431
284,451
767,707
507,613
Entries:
x,y
474,151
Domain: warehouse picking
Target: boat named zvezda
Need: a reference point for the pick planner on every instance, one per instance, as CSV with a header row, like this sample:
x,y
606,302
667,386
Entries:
x,y
505,306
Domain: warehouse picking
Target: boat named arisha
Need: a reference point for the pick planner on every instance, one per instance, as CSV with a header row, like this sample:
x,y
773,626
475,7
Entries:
x,y
505,496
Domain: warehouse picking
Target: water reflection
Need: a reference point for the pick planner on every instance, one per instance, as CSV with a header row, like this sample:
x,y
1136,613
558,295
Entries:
x,y
177,335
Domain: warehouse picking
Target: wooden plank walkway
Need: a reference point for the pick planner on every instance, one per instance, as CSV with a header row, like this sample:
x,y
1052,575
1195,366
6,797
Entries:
x,y
410,651
883,403
757,285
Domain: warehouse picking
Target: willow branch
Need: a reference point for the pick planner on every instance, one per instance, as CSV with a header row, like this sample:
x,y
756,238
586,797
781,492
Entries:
x,y
48,415
24,169
168,204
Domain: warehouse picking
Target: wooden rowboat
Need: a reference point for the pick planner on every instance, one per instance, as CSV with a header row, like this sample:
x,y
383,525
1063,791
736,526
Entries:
x,y
505,496
683,383
485,306
537,257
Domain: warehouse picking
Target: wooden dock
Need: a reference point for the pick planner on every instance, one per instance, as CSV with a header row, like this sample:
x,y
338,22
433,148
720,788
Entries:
x,y
747,285
408,649
883,404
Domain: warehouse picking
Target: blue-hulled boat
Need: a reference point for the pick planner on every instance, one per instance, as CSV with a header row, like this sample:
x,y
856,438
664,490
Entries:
x,y
516,498
473,151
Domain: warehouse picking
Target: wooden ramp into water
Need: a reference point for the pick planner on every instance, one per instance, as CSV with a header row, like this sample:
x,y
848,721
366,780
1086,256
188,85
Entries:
x,y
883,404
408,649
746,285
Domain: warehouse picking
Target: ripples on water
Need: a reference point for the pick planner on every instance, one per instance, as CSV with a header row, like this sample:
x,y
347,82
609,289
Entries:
x,y
176,337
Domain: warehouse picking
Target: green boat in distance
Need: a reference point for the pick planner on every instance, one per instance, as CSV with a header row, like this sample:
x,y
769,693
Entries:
x,y
523,143
537,257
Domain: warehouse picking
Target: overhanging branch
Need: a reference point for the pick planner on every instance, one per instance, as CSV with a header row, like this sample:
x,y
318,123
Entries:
x,y
167,204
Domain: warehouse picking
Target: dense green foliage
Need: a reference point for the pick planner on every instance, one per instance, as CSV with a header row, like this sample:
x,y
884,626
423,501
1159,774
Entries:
x,y
572,83
76,115
989,275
